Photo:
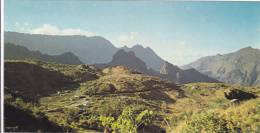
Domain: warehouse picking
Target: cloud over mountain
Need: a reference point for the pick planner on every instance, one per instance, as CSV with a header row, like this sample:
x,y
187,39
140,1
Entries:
x,y
49,29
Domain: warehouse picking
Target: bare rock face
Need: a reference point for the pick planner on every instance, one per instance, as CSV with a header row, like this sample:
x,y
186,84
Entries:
x,y
239,95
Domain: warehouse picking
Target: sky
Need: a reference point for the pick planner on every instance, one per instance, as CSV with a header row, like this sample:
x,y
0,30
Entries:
x,y
179,32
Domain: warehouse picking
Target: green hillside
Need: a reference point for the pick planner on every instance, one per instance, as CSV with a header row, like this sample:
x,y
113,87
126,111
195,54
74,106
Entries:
x,y
120,100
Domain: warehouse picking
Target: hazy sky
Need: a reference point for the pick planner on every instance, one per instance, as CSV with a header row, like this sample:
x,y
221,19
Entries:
x,y
179,32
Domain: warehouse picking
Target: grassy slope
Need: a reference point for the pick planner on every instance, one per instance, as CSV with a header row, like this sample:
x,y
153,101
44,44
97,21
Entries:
x,y
109,92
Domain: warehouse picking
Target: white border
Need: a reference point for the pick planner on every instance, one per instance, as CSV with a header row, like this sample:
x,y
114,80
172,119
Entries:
x,y
2,66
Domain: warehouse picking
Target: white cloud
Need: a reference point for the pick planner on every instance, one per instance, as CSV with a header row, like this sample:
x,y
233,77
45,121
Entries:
x,y
183,53
129,39
54,30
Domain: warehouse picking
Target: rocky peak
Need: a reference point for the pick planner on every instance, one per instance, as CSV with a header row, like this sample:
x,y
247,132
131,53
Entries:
x,y
138,46
248,49
128,59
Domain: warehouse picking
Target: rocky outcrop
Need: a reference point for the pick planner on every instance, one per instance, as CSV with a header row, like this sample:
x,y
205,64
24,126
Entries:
x,y
239,95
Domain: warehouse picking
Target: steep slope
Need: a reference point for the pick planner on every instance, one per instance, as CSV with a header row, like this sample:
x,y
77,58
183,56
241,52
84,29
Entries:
x,y
151,59
241,67
34,79
19,120
16,52
178,75
90,50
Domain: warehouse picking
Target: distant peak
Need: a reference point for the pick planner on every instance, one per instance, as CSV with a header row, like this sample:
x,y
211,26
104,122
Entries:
x,y
148,48
121,51
131,53
125,47
249,48
138,46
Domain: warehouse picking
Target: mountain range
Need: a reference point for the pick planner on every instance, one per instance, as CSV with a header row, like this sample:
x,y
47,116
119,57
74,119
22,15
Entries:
x,y
15,52
167,70
240,67
61,97
90,50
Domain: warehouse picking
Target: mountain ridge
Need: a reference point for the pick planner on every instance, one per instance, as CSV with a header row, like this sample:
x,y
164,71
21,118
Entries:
x,y
17,52
148,55
81,46
86,48
239,67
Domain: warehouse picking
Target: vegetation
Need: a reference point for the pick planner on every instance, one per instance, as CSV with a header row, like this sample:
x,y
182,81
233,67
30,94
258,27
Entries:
x,y
118,100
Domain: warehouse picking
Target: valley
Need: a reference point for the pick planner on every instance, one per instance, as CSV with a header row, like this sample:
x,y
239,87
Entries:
x,y
149,66
120,99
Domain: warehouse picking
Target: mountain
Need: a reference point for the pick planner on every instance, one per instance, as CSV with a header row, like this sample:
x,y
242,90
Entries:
x,y
167,71
126,59
178,75
16,52
151,59
90,50
240,67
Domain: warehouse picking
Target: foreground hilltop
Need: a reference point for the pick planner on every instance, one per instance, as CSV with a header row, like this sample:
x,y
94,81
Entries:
x,y
82,98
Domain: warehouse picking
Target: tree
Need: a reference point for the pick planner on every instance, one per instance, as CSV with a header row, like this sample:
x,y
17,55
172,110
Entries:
x,y
130,119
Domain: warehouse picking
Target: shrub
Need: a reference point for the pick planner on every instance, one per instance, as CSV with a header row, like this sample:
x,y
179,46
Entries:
x,y
207,122
132,118
129,121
